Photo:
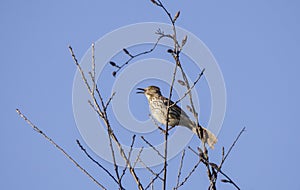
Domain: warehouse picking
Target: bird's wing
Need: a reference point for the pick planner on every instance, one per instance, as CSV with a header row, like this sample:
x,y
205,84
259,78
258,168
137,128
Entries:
x,y
176,108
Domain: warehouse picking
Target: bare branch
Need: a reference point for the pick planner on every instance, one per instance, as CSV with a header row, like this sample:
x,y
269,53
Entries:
x,y
189,90
218,169
59,148
129,154
94,108
153,180
166,11
93,75
215,167
96,162
111,135
138,157
229,180
204,159
150,170
134,56
231,147
180,167
80,69
101,99
147,142
189,175
109,100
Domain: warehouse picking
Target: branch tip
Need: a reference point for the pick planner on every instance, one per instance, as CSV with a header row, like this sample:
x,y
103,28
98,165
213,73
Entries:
x,y
176,16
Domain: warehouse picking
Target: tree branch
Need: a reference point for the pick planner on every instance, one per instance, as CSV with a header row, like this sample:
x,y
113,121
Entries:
x,y
60,149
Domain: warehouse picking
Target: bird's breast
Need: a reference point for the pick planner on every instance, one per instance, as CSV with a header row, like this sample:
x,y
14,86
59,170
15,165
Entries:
x,y
158,110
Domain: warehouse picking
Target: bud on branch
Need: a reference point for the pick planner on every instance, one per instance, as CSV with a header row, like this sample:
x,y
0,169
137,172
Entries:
x,y
176,16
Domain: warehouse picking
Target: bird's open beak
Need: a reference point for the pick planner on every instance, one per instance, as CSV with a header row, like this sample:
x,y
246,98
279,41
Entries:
x,y
142,91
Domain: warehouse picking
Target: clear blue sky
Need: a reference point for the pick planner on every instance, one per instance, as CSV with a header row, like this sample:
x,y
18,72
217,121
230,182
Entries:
x,y
256,44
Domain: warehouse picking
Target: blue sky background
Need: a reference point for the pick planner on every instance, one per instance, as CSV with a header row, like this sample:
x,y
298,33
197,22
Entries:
x,y
256,44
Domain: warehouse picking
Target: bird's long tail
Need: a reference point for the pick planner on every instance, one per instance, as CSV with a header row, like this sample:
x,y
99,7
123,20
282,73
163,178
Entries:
x,y
207,136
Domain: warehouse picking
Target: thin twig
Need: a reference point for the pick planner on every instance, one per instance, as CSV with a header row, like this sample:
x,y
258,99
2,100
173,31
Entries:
x,y
155,178
166,11
59,148
180,167
214,166
138,157
96,162
218,169
92,105
189,90
116,167
189,175
204,159
93,68
231,147
101,99
230,180
195,114
209,169
109,100
129,154
131,57
149,169
80,69
99,111
148,143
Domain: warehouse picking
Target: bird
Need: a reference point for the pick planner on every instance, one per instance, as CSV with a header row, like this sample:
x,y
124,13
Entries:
x,y
158,105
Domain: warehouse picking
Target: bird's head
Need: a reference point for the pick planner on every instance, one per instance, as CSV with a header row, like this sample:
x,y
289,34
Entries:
x,y
150,91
